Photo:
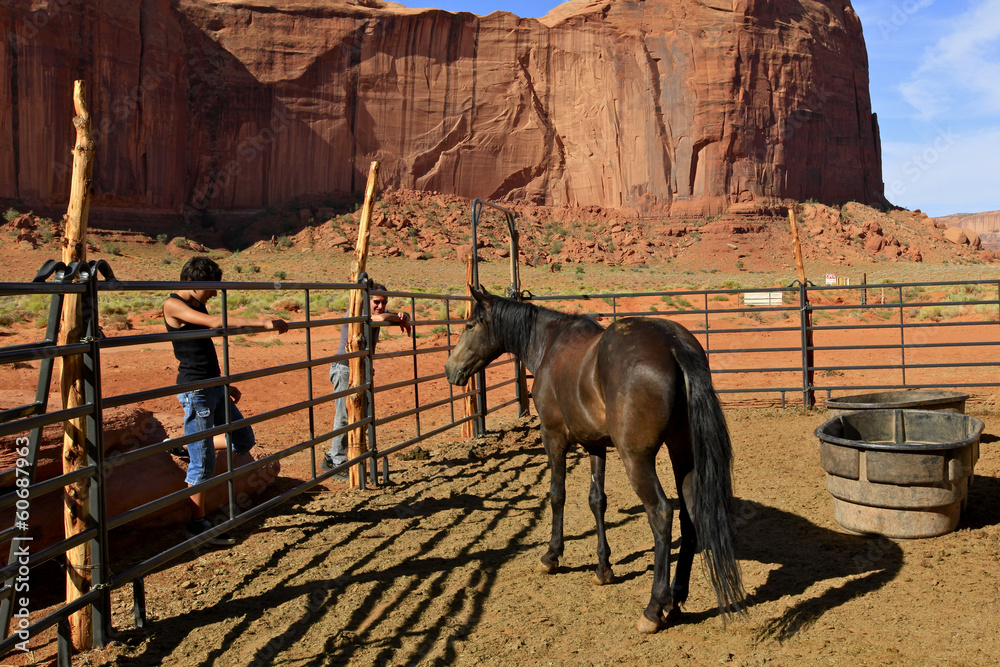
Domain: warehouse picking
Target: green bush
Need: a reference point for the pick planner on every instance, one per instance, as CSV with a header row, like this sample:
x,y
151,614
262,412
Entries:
x,y
162,238
11,214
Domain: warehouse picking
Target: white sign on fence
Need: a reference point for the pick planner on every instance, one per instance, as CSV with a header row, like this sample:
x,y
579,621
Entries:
x,y
762,298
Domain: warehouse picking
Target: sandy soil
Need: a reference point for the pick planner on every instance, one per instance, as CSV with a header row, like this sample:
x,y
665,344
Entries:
x,y
439,568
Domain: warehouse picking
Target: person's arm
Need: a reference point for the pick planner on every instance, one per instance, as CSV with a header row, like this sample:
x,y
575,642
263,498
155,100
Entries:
x,y
178,310
400,318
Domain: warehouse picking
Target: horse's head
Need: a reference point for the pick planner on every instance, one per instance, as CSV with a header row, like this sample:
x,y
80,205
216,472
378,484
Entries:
x,y
477,346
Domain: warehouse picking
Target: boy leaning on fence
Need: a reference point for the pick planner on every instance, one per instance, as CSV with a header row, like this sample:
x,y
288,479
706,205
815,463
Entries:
x,y
340,374
197,360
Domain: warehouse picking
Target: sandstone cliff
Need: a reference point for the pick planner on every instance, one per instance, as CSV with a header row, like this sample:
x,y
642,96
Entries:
x,y
679,106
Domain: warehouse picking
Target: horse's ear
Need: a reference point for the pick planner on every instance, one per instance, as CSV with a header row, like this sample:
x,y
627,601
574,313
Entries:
x,y
481,295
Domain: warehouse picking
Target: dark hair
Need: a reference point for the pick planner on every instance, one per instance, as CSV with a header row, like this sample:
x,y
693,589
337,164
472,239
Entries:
x,y
201,269
379,287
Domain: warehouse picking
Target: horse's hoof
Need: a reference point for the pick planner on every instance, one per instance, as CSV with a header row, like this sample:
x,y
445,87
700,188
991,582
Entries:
x,y
604,578
548,568
648,627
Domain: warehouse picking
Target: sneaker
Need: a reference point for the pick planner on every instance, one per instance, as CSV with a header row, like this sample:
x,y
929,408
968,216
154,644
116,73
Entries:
x,y
326,463
198,526
180,452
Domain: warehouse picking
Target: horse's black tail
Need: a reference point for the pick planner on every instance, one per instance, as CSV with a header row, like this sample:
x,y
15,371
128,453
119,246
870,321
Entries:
x,y
713,493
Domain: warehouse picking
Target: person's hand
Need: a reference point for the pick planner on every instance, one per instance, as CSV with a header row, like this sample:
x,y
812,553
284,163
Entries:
x,y
403,320
281,326
235,394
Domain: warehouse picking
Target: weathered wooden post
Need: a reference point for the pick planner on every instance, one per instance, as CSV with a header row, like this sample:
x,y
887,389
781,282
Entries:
x,y
355,339
468,427
808,396
76,516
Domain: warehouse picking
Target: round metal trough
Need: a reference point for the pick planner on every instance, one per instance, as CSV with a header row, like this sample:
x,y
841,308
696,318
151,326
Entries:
x,y
912,399
899,473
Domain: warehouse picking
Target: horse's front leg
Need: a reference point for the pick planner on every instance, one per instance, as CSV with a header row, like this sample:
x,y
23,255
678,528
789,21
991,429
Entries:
x,y
555,447
598,505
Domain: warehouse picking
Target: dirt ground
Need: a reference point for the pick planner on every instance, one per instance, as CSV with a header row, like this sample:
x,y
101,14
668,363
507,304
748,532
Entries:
x,y
440,568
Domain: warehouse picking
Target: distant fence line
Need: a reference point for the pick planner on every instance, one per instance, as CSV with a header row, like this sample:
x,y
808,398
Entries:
x,y
893,336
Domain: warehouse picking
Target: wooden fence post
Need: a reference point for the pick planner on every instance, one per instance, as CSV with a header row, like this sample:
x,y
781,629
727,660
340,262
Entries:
x,y
355,338
76,515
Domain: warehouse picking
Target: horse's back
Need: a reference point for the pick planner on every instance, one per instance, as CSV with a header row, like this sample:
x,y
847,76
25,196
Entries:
x,y
640,378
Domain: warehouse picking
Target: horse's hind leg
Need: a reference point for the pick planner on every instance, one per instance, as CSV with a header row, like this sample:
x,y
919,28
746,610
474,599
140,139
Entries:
x,y
555,447
689,541
598,505
661,516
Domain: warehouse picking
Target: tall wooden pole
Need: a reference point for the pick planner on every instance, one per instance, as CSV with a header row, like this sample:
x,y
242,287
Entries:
x,y
355,338
468,427
76,515
809,397
797,248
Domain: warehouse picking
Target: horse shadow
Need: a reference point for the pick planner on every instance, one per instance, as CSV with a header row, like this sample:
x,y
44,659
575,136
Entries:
x,y
807,554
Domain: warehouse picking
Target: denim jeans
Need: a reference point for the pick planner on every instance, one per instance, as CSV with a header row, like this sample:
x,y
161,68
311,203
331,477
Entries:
x,y
205,409
339,376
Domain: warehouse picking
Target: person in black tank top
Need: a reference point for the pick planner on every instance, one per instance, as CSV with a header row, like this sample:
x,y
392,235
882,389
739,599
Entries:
x,y
197,361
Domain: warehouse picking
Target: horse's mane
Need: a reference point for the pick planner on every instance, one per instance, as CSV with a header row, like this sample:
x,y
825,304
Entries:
x,y
514,322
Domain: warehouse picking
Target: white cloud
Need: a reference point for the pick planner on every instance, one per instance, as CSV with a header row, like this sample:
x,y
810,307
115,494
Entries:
x,y
961,72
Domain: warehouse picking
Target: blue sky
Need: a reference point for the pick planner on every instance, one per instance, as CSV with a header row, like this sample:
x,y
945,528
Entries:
x,y
935,85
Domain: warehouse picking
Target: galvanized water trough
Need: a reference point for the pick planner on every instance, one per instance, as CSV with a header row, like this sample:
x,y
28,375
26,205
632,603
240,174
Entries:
x,y
899,473
912,399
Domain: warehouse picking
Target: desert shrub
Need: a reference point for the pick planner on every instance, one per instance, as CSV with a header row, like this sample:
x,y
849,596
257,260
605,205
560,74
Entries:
x,y
10,214
990,310
180,242
117,322
284,242
719,297
112,249
291,304
948,312
162,238
237,299
280,275
731,284
254,268
932,313
114,308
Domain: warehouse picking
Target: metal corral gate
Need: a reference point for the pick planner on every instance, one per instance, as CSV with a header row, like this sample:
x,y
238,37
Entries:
x,y
876,337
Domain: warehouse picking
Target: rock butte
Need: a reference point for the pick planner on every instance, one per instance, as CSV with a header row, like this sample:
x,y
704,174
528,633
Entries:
x,y
680,107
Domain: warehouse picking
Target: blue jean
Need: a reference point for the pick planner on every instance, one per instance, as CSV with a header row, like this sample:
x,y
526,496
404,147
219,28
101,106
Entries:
x,y
339,376
205,409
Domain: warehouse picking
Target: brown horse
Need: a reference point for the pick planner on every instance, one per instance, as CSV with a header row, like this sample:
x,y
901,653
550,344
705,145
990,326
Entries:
x,y
638,384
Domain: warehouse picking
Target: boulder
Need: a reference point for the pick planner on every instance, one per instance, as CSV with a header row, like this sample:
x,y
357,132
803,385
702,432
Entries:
x,y
129,485
956,235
